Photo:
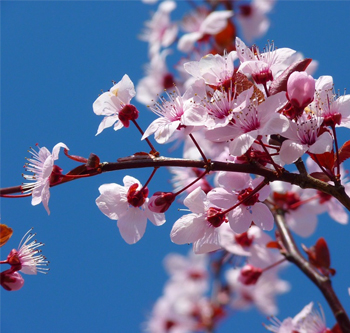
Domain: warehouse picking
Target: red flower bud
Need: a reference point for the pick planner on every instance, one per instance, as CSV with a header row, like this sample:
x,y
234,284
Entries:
x,y
161,201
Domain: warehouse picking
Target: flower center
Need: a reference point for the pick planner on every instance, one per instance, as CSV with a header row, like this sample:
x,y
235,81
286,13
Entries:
x,y
215,217
244,240
288,200
249,199
137,198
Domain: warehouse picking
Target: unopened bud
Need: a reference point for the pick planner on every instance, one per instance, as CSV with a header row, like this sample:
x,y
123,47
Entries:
x,y
161,201
11,281
249,274
300,90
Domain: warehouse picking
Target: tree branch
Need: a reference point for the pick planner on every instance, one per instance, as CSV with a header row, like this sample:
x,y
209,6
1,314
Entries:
x,y
301,180
292,254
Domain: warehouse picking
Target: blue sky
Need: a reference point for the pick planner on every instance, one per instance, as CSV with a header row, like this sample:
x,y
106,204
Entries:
x,y
56,58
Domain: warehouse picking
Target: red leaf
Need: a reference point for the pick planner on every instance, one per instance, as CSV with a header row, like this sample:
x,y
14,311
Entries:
x,y
326,159
273,245
5,234
322,253
344,152
280,84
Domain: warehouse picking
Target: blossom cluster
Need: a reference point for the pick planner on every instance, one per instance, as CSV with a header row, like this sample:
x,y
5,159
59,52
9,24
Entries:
x,y
229,103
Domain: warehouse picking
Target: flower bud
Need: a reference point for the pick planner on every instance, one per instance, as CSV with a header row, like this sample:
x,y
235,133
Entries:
x,y
300,90
11,281
161,201
249,274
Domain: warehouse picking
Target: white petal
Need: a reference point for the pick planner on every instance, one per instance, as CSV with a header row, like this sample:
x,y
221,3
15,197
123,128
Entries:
x,y
324,143
241,144
187,229
107,121
291,151
215,22
132,225
108,202
195,201
186,42
208,243
156,218
45,196
56,150
221,198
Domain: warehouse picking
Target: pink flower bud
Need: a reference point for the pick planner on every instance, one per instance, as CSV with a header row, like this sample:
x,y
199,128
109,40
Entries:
x,y
11,281
300,89
249,274
161,201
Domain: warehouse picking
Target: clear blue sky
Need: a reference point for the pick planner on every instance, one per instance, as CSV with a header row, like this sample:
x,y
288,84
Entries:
x,y
56,58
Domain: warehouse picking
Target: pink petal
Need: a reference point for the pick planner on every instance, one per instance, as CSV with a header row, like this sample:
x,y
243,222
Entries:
x,y
221,198
238,220
262,216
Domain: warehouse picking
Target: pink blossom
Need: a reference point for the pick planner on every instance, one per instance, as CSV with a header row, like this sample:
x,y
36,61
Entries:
x,y
252,121
252,18
262,294
199,24
181,177
199,227
308,320
188,272
213,69
160,31
156,80
176,113
300,89
330,204
129,205
250,244
301,206
27,258
334,109
45,174
234,188
305,135
112,102
263,67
